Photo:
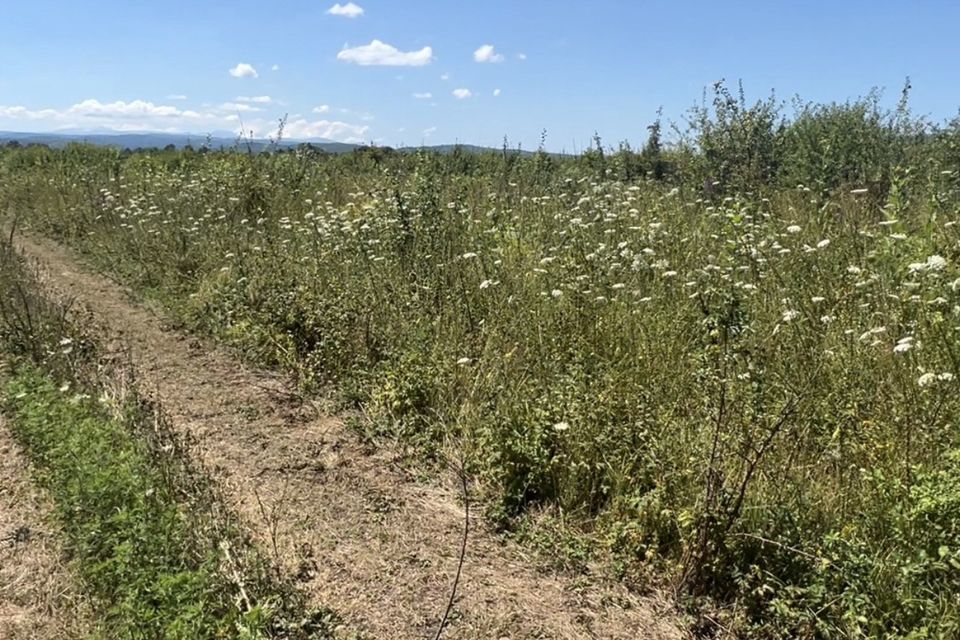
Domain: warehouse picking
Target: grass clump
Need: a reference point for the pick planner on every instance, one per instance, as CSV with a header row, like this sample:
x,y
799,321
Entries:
x,y
130,541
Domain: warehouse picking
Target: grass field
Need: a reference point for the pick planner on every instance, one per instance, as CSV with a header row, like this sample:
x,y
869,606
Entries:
x,y
726,364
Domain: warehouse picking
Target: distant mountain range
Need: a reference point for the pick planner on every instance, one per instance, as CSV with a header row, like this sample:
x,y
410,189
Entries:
x,y
218,140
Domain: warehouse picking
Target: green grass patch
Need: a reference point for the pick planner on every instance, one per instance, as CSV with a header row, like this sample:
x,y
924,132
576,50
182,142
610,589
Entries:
x,y
122,524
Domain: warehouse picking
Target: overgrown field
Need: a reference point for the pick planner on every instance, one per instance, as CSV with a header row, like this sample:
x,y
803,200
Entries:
x,y
730,364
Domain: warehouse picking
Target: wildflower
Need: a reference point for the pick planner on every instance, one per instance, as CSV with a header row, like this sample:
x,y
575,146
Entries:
x,y
469,255
926,379
556,293
561,427
794,228
790,314
946,376
823,244
485,284
903,345
463,361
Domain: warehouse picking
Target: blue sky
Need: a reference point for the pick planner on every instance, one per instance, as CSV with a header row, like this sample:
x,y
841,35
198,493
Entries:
x,y
571,68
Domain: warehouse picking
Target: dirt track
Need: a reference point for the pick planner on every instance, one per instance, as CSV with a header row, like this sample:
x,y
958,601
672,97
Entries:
x,y
363,535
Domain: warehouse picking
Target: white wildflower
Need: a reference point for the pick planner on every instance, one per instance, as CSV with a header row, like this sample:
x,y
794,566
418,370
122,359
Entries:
x,y
903,345
926,379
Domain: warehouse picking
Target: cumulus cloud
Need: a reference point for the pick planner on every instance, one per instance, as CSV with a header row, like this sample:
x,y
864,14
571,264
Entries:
x,y
177,96
423,96
275,67
486,53
241,107
254,99
444,76
244,70
521,56
496,92
136,115
326,129
379,53
348,10
462,94
142,115
323,108
429,131
134,109
23,113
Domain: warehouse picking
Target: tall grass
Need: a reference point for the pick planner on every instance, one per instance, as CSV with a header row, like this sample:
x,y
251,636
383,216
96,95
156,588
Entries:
x,y
733,362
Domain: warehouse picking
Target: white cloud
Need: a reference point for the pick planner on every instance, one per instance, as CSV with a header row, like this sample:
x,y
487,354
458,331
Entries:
x,y
255,99
486,53
326,129
379,53
22,113
521,56
244,70
429,131
142,115
496,92
462,94
177,96
444,76
348,10
275,67
121,109
241,107
136,115
323,108
423,96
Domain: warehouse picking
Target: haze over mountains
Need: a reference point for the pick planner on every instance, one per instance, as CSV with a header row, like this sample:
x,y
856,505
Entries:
x,y
215,140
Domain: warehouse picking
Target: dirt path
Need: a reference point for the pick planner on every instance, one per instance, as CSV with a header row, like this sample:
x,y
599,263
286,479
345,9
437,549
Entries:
x,y
37,598
363,535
